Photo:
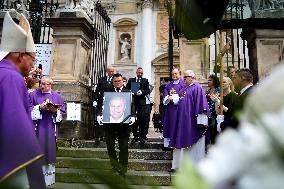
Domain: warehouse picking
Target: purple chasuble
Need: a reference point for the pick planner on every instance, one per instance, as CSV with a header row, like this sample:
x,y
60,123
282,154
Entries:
x,y
192,102
18,143
170,114
45,126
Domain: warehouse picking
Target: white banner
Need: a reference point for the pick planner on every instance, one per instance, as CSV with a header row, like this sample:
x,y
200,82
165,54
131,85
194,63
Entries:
x,y
73,111
43,57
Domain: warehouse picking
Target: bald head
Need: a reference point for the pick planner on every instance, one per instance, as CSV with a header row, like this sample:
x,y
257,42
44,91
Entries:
x,y
110,71
176,74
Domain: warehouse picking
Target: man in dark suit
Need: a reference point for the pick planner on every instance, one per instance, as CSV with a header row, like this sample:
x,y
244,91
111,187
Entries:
x,y
139,102
117,130
103,84
243,80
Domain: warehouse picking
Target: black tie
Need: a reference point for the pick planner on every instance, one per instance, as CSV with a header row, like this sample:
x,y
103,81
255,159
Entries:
x,y
117,89
138,79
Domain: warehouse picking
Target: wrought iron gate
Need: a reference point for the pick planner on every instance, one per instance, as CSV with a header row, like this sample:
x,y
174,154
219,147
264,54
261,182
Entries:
x,y
237,55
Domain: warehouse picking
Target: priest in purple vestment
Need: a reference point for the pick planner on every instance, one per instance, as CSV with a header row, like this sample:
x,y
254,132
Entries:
x,y
46,119
20,152
170,101
192,122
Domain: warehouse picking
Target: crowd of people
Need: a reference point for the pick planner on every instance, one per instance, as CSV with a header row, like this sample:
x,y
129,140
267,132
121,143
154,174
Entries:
x,y
189,116
193,116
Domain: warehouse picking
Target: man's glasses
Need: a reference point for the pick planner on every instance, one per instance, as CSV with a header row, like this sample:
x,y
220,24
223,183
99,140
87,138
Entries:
x,y
32,57
45,83
186,77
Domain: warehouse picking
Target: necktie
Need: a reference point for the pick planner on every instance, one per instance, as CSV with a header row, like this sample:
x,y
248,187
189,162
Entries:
x,y
117,89
138,79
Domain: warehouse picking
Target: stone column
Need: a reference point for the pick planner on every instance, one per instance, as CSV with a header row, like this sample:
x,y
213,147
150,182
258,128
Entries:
x,y
265,48
146,39
70,65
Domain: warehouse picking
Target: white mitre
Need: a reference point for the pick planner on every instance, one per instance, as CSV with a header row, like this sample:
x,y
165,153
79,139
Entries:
x,y
16,37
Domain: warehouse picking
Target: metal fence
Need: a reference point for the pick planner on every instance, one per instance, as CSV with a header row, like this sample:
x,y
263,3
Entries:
x,y
237,55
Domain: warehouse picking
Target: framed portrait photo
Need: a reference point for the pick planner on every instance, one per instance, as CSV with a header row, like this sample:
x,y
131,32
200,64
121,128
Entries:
x,y
117,107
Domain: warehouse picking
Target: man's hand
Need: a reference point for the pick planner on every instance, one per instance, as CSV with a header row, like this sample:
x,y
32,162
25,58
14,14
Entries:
x,y
139,93
100,120
95,104
132,120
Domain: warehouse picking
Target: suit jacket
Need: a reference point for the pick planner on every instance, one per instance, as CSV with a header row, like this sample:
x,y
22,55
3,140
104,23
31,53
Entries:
x,y
239,104
102,86
241,99
144,87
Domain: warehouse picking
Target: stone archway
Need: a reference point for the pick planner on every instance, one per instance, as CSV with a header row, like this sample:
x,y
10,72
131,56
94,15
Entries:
x,y
161,70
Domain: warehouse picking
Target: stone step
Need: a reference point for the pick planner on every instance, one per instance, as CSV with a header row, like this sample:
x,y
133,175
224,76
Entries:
x,y
95,163
154,154
93,144
60,185
96,176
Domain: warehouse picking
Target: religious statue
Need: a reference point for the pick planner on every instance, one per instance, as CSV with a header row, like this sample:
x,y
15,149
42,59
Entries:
x,y
125,48
264,5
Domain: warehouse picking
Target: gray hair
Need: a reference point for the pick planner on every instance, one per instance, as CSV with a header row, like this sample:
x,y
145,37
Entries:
x,y
46,78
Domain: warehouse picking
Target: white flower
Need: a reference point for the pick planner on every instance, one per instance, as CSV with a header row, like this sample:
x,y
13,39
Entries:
x,y
233,153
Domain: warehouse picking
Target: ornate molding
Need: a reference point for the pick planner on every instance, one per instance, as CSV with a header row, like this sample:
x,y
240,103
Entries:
x,y
147,4
164,47
125,22
110,6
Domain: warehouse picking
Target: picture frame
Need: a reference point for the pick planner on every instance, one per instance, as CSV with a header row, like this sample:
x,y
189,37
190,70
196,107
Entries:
x,y
117,107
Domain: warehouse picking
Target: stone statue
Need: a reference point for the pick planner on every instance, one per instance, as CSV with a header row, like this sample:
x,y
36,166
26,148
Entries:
x,y
125,48
264,5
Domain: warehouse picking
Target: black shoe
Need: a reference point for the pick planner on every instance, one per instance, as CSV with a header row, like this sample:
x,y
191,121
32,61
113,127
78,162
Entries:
x,y
97,141
145,138
134,140
167,149
142,142
122,175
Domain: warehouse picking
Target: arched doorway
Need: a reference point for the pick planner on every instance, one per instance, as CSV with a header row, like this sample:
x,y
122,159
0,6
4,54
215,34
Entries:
x,y
161,70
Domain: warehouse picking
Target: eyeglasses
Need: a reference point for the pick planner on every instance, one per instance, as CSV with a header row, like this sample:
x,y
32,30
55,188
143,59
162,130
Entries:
x,y
186,77
32,57
45,83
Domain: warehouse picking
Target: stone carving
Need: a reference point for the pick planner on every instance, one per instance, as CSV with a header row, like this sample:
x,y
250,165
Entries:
x,y
86,5
147,4
261,6
110,7
18,5
125,40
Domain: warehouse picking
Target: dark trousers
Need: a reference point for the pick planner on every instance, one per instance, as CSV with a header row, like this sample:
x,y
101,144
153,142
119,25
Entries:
x,y
99,131
140,123
121,132
148,109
